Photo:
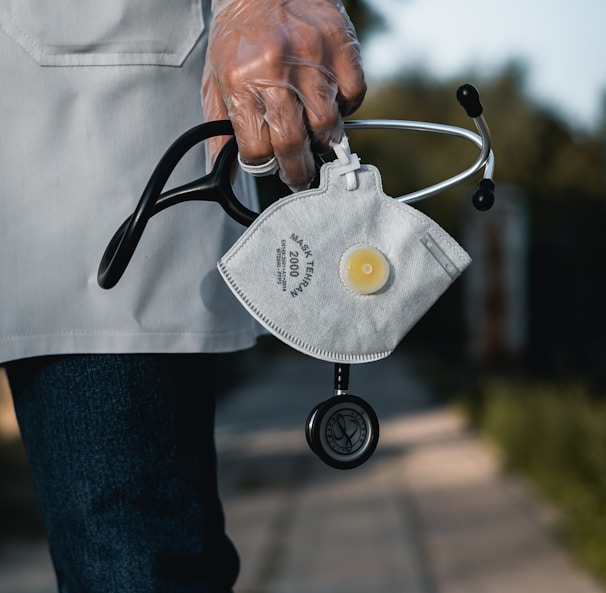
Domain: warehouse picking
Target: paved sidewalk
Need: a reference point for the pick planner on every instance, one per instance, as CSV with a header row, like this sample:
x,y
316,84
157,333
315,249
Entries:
x,y
428,513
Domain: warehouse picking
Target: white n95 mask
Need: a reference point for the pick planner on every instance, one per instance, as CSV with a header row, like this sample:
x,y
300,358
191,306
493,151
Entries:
x,y
342,272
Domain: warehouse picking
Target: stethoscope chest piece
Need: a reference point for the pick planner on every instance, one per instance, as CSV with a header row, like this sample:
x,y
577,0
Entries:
x,y
343,431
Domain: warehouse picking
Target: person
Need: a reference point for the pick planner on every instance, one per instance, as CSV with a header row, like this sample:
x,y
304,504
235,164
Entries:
x,y
113,390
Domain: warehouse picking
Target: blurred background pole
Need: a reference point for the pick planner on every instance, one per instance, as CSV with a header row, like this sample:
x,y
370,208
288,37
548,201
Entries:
x,y
496,283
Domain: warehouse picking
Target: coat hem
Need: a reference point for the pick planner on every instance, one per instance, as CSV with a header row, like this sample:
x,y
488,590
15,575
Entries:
x,y
20,347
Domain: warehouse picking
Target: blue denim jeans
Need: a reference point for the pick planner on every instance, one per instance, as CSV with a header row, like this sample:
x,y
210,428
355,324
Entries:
x,y
122,454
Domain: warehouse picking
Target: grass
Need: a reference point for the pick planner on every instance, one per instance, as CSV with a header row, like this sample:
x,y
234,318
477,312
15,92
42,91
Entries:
x,y
556,436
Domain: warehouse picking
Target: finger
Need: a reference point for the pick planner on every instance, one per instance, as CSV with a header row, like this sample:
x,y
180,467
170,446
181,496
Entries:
x,y
344,65
318,92
289,138
214,109
352,90
273,125
349,75
297,167
251,130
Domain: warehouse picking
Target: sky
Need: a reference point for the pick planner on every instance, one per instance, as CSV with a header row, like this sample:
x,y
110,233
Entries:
x,y
562,44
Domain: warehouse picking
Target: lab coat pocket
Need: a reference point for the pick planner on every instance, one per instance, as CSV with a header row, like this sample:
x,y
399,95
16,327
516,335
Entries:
x,y
104,32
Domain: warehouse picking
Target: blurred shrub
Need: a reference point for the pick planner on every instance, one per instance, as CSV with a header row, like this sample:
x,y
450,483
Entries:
x,y
556,435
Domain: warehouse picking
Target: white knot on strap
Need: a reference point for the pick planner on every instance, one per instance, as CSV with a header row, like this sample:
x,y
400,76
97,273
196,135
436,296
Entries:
x,y
349,162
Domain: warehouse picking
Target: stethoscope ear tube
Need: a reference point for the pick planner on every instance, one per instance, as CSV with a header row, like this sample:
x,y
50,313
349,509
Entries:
x,y
216,187
469,98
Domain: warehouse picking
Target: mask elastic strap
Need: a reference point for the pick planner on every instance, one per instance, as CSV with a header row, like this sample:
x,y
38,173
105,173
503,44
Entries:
x,y
349,162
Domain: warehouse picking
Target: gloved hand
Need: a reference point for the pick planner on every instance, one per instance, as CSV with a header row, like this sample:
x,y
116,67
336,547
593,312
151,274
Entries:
x,y
284,72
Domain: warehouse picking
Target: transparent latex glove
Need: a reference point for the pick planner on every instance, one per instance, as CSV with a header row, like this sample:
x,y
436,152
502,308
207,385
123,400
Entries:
x,y
284,72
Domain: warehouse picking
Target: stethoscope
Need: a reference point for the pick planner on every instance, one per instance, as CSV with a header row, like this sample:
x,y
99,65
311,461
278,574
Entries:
x,y
343,430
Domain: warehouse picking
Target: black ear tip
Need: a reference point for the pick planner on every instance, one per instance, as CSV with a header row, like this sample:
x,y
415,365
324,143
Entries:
x,y
469,98
483,198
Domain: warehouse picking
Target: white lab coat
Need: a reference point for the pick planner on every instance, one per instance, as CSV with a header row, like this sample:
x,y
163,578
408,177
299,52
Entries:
x,y
93,92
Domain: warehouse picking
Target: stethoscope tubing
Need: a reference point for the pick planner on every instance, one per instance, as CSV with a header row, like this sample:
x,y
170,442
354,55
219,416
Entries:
x,y
482,141
215,186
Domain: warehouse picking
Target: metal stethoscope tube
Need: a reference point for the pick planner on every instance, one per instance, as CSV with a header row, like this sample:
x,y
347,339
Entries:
x,y
482,141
